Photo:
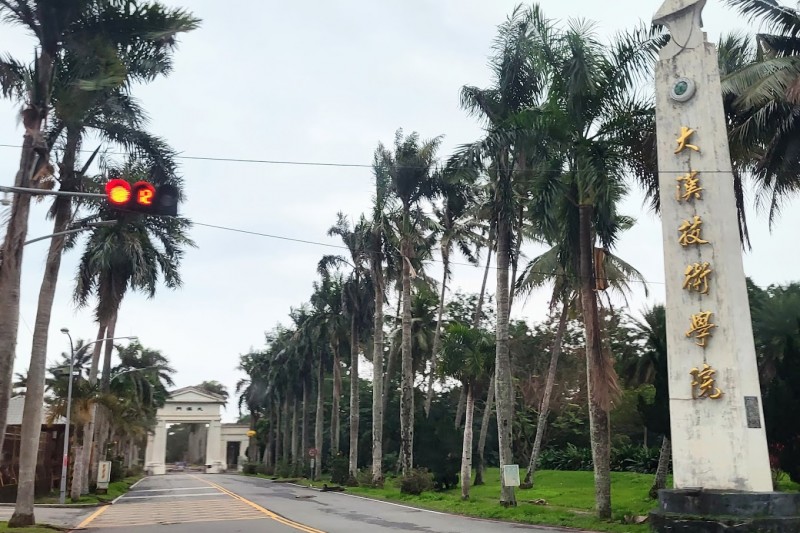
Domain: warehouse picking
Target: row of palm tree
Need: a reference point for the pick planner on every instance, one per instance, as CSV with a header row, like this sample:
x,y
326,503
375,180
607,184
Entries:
x,y
568,132
89,54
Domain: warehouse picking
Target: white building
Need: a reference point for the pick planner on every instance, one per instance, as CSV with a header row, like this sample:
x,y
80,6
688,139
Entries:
x,y
225,444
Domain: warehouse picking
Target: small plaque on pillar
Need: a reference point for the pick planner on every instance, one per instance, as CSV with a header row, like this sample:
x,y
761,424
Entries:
x,y
752,411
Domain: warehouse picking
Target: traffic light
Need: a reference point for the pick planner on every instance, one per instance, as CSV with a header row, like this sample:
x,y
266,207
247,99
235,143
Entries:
x,y
142,197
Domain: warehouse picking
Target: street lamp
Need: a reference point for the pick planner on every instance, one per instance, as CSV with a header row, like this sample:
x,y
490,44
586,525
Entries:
x,y
63,489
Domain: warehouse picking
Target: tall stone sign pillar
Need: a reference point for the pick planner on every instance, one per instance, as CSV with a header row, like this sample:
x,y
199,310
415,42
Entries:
x,y
719,442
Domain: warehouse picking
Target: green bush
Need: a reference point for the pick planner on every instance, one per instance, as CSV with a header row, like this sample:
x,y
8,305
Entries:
x,y
264,469
625,458
340,469
249,468
117,470
633,458
284,469
416,482
569,458
135,470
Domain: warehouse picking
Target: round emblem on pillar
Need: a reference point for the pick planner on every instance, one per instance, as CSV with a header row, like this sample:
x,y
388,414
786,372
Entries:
x,y
682,90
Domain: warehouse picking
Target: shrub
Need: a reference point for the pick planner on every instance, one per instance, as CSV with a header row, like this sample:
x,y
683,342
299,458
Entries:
x,y
249,469
340,470
264,469
633,458
135,470
569,458
445,473
117,470
416,482
284,469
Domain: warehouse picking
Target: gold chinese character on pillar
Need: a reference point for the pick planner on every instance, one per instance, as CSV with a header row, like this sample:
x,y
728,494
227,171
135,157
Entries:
x,y
683,140
701,327
704,383
696,277
691,232
689,187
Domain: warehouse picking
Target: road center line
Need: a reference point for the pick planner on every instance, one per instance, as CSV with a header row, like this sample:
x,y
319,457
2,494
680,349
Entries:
x,y
270,514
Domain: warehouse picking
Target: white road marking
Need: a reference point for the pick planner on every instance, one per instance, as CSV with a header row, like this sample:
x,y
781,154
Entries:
x,y
175,495
175,488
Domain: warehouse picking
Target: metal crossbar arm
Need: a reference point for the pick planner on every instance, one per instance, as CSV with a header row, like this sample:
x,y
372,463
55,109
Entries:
x,y
88,225
43,192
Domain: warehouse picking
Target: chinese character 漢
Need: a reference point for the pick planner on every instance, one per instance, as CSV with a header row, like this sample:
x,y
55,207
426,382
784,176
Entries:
x,y
703,384
701,327
691,232
691,187
683,140
696,277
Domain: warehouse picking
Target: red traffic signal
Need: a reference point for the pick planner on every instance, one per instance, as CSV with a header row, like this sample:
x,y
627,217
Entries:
x,y
118,192
142,197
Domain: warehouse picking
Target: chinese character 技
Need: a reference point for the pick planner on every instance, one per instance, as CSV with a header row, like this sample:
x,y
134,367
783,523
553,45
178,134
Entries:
x,y
691,232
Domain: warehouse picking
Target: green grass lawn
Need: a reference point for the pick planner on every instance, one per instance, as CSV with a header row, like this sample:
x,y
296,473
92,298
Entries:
x,y
115,489
39,529
569,497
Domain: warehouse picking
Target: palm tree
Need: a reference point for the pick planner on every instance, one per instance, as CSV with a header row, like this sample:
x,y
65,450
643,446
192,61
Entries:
x,y
214,387
502,152
761,89
117,118
555,266
137,253
459,228
378,248
410,169
467,355
354,302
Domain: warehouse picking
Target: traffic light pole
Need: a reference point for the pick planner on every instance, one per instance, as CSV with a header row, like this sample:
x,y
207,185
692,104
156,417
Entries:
x,y
44,192
85,226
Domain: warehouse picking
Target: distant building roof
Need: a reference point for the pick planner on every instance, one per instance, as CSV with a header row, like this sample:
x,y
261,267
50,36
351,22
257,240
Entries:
x,y
16,406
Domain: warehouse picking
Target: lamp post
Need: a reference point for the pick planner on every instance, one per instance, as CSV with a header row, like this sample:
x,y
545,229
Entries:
x,y
65,460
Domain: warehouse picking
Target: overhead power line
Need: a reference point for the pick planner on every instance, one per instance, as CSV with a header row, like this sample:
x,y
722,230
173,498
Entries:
x,y
341,165
340,247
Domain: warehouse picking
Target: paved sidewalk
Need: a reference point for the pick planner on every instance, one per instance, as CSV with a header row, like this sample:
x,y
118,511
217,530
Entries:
x,y
55,516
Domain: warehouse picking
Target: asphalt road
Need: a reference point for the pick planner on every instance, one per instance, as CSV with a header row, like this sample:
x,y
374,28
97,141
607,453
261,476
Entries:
x,y
187,503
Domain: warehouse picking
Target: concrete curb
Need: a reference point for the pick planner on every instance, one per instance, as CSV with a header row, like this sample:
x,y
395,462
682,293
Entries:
x,y
59,506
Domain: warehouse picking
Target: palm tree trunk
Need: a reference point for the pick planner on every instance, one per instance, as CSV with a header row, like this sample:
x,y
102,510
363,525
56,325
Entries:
x,y
353,466
105,382
252,451
286,432
544,411
466,448
407,388
487,417
487,410
276,431
295,440
319,419
504,387
660,482
377,376
391,364
34,395
88,428
437,336
77,472
337,393
595,372
33,156
462,404
306,429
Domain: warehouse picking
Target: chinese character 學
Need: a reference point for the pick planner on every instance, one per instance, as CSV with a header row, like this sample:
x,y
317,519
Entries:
x,y
691,187
703,384
701,326
683,140
691,232
696,277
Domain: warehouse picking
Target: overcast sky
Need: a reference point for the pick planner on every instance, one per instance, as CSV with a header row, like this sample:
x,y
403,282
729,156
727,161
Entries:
x,y
315,82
